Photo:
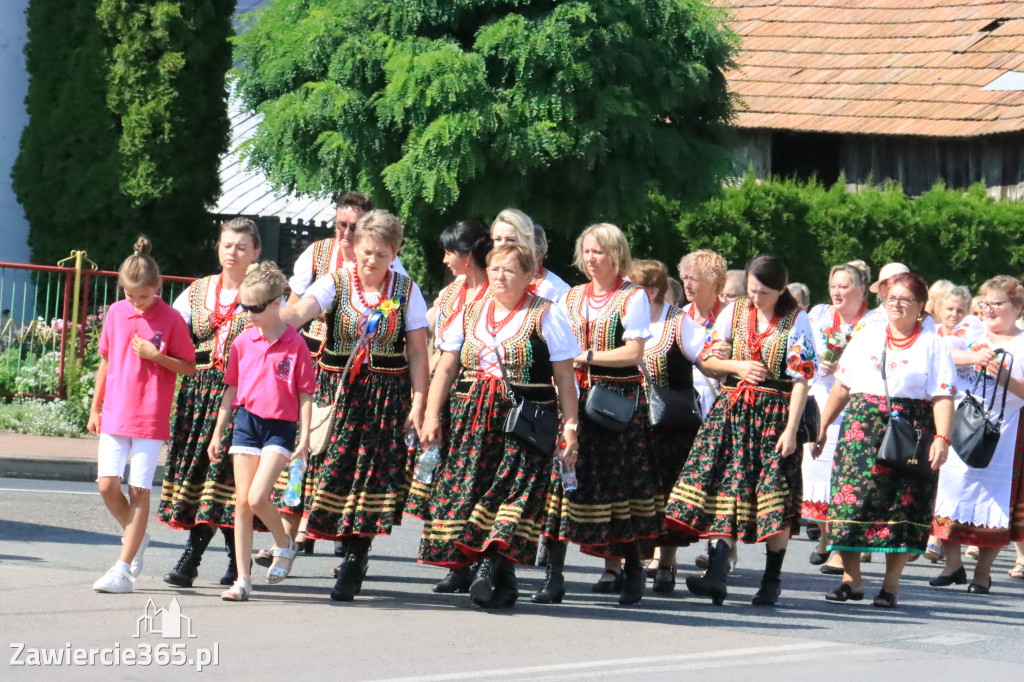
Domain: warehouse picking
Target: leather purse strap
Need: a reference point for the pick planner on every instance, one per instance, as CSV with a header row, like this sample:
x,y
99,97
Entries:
x,y
509,393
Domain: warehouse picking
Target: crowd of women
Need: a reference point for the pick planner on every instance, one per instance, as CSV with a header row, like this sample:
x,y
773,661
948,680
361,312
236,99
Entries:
x,y
629,416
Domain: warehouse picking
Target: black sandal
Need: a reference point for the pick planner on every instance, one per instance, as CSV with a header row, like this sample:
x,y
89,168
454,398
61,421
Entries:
x,y
884,600
844,593
603,586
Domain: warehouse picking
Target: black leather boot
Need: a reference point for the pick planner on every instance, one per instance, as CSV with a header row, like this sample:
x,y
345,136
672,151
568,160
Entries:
x,y
353,568
230,575
186,570
554,582
634,577
458,580
542,552
712,583
481,590
506,589
771,581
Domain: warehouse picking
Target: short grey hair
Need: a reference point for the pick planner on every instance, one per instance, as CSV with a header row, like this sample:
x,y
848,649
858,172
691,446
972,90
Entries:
x,y
540,238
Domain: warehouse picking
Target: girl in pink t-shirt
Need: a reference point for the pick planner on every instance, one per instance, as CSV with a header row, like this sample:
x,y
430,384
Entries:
x,y
144,346
270,385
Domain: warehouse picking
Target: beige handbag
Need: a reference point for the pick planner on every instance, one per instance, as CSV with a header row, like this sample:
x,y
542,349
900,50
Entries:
x,y
323,418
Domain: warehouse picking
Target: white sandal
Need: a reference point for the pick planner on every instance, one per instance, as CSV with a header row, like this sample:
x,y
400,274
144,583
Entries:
x,y
276,574
239,591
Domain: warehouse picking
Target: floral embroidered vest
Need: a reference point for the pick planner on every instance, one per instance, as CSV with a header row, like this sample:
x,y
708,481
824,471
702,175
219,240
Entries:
x,y
322,265
525,354
664,359
603,333
204,335
347,323
773,346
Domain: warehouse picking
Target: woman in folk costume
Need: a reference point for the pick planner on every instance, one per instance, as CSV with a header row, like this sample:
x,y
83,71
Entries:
x,y
465,245
670,360
975,506
374,371
198,495
613,508
833,325
742,479
488,501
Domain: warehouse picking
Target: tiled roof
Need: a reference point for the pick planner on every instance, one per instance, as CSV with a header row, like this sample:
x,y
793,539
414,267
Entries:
x,y
891,67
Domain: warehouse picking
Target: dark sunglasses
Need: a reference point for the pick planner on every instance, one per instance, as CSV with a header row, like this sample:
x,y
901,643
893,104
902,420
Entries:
x,y
258,307
351,227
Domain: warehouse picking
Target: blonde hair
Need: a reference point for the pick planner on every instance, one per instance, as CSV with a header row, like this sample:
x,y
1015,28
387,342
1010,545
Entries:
x,y
651,273
382,227
858,271
139,269
522,223
265,281
612,242
707,263
937,292
1010,287
960,293
525,256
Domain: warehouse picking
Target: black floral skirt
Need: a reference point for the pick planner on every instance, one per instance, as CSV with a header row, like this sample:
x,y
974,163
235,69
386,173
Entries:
x,y
490,490
734,483
670,448
615,501
363,481
875,508
420,494
196,490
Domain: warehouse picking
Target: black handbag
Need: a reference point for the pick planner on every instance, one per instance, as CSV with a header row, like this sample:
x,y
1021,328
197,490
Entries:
x,y
975,436
528,421
609,409
604,406
810,422
679,408
904,447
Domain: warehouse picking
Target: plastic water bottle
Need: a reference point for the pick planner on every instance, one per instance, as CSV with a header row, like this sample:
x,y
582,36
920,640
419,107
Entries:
x,y
426,464
568,476
293,493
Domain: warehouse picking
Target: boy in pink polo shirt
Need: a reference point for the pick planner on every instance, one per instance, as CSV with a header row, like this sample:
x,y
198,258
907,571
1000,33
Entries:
x,y
270,385
144,346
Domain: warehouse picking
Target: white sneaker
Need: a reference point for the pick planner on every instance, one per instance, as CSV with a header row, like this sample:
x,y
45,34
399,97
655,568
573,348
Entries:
x,y
137,561
115,581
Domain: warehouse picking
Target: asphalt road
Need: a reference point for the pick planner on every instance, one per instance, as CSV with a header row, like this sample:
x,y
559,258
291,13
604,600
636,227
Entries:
x,y
57,538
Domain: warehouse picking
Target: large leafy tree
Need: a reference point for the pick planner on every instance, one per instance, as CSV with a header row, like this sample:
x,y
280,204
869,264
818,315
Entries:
x,y
127,119
573,111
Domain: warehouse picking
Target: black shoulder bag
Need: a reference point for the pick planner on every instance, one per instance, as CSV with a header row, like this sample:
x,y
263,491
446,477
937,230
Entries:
x,y
604,406
975,435
678,408
527,420
904,447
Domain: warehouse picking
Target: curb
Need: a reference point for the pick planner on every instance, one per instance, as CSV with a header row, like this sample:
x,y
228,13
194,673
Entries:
x,y
71,470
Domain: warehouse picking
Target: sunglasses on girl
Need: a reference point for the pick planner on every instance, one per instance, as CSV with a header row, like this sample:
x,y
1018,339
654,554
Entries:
x,y
258,307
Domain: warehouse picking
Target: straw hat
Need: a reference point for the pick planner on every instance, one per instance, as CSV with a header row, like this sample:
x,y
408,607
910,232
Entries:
x,y
888,271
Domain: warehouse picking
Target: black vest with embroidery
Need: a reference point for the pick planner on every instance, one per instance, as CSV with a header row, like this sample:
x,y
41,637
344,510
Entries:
x,y
204,335
664,358
603,333
348,323
525,355
773,347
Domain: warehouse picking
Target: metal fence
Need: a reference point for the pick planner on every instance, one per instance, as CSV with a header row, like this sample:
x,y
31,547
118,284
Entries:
x,y
50,314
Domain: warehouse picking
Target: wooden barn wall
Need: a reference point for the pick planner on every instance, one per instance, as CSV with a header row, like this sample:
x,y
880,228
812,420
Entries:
x,y
915,162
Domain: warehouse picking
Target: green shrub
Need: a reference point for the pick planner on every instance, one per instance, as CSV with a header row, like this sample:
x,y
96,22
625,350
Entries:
x,y
40,418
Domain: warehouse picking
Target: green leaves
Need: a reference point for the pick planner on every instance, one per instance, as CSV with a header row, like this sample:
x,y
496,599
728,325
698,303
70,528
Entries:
x,y
572,111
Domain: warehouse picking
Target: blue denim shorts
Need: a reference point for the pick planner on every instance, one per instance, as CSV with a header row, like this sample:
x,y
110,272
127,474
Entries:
x,y
254,435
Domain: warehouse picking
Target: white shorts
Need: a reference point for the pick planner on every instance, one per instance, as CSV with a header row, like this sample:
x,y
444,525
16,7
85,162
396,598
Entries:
x,y
114,454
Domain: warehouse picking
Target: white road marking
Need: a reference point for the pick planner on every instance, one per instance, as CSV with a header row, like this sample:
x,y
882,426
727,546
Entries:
x,y
46,492
690,660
